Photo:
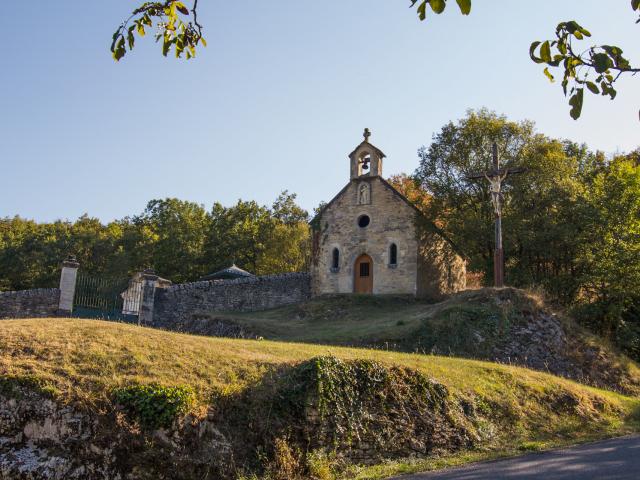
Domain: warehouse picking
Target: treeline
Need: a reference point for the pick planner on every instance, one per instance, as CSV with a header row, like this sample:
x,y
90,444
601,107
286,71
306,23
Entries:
x,y
571,221
180,240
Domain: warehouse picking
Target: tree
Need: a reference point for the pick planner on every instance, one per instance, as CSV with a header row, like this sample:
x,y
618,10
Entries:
x,y
610,250
238,234
287,211
178,230
258,239
412,190
539,242
597,68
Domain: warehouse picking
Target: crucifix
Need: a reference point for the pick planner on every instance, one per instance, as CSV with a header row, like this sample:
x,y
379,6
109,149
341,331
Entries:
x,y
495,177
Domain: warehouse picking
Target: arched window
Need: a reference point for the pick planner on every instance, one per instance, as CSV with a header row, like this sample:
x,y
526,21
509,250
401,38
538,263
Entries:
x,y
393,254
335,259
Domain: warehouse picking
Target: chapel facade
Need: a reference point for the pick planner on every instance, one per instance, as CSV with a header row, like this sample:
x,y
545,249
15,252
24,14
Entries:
x,y
370,239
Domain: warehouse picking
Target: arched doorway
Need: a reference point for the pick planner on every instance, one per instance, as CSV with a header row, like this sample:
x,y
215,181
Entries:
x,y
363,274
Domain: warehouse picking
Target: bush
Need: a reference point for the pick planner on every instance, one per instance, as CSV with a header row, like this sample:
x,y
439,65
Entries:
x,y
154,406
618,322
286,462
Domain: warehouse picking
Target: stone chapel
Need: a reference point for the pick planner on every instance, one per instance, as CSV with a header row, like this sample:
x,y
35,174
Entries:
x,y
370,239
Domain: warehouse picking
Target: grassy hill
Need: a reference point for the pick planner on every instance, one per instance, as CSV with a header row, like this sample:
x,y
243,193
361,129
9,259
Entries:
x,y
504,325
284,410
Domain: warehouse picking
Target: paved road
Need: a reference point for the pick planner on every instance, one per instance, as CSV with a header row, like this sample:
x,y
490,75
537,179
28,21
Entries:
x,y
617,459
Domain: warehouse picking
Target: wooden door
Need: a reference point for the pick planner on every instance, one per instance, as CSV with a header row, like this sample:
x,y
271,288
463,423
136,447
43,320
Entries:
x,y
363,271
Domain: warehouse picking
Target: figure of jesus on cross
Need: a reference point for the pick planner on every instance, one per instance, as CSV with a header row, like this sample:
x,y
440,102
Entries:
x,y
495,177
495,185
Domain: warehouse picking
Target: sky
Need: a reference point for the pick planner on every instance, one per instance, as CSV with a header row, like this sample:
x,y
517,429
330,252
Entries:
x,y
276,101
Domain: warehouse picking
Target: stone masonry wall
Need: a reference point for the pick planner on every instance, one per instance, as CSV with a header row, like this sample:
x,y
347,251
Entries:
x,y
177,304
41,302
441,271
392,221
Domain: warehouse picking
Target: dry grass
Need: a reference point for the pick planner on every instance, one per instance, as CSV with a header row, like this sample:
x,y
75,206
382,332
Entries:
x,y
85,359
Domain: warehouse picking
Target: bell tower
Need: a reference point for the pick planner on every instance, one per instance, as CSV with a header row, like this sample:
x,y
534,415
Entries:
x,y
366,159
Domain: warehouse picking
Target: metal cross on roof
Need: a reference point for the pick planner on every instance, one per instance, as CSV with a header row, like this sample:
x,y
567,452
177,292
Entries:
x,y
366,134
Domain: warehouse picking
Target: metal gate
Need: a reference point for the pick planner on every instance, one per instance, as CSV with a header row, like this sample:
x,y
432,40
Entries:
x,y
107,298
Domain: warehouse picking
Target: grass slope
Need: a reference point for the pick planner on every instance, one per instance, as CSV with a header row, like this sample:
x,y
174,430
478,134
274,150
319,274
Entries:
x,y
482,324
82,361
339,320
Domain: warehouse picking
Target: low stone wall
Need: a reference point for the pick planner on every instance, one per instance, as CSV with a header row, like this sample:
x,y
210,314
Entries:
x,y
178,304
41,302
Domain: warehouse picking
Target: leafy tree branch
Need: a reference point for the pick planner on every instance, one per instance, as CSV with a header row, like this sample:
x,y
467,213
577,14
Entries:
x,y
172,28
597,68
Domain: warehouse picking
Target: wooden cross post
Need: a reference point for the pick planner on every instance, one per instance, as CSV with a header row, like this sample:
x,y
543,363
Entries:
x,y
495,177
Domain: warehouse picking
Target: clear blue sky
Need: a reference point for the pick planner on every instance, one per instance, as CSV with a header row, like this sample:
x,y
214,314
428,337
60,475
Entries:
x,y
277,100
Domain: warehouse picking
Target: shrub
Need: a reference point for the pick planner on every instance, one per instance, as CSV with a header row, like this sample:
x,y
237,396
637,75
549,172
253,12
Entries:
x,y
12,386
286,462
154,406
321,466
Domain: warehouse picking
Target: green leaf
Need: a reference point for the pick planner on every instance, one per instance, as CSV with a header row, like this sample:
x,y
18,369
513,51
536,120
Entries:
x,y
465,6
562,47
548,74
556,60
585,32
166,45
130,38
532,51
115,37
119,50
593,87
635,4
179,45
601,62
204,42
612,50
181,8
422,10
437,6
545,52
576,104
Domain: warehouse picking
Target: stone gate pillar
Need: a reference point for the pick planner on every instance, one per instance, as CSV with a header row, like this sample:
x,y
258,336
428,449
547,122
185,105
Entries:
x,y
68,277
149,284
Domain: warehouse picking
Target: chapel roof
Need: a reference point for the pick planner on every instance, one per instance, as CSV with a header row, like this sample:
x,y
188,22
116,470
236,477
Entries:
x,y
371,146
